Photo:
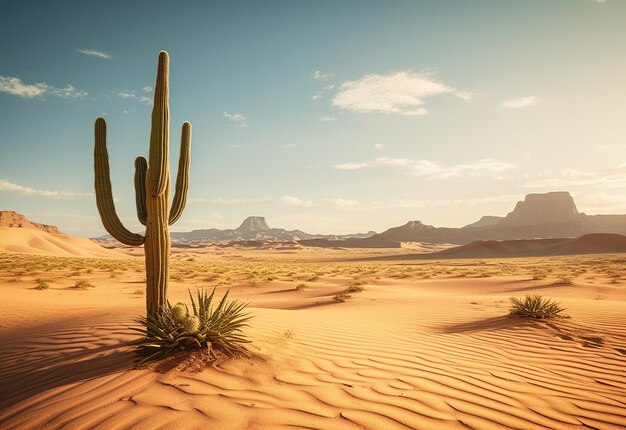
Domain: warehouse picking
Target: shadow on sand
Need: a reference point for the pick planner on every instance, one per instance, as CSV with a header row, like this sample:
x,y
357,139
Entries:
x,y
490,324
41,358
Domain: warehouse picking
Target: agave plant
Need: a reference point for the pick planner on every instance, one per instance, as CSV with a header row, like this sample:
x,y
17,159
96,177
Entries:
x,y
534,306
216,328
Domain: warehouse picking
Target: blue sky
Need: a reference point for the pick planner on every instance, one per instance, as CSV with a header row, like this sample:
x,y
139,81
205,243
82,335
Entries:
x,y
331,117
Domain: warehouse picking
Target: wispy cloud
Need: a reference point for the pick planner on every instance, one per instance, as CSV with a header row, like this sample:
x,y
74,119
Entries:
x,y
571,178
348,204
431,170
10,187
379,146
95,53
520,102
319,76
320,93
283,200
132,95
327,118
401,93
352,166
237,118
69,92
147,89
15,86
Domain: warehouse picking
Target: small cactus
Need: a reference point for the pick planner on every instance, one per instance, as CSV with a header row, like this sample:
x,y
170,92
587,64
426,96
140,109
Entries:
x,y
179,312
191,324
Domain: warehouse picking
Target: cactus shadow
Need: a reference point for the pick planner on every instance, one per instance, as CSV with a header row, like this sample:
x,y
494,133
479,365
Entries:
x,y
36,362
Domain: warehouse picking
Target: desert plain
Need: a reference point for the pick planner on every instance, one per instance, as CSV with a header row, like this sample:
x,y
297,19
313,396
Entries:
x,y
340,339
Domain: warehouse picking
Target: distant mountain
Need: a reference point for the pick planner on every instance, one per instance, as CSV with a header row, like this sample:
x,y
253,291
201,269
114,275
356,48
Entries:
x,y
254,229
549,215
253,223
485,221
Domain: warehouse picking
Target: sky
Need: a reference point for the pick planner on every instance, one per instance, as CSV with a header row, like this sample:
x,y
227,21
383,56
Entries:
x,y
330,117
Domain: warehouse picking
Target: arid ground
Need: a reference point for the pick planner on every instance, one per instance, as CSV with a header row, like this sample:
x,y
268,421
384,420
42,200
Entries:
x,y
418,344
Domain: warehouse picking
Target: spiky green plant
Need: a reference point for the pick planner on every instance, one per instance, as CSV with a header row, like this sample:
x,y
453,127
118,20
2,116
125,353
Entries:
x,y
214,328
534,306
152,191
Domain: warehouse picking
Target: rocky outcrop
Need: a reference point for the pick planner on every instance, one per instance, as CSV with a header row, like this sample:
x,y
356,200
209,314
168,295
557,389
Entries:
x,y
14,220
253,223
545,208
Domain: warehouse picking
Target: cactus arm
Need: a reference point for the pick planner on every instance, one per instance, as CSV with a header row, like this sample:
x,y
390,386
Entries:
x,y
104,195
182,179
141,166
159,134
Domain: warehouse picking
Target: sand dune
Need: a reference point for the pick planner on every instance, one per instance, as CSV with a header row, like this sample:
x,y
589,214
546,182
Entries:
x,y
406,353
595,243
31,241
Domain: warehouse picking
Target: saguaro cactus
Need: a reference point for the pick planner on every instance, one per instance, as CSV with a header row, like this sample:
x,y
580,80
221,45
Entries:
x,y
152,191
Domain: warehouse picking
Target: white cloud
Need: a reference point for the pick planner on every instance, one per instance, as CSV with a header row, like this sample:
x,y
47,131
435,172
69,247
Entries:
x,y
290,145
414,203
401,93
319,76
69,92
520,102
379,146
15,86
10,187
283,200
327,118
133,96
343,203
431,170
609,179
94,53
351,166
147,89
237,118
320,93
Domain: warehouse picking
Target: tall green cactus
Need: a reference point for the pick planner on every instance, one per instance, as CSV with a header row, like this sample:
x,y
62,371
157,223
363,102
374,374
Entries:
x,y
152,191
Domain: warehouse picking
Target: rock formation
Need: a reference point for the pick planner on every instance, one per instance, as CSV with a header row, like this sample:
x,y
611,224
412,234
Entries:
x,y
15,220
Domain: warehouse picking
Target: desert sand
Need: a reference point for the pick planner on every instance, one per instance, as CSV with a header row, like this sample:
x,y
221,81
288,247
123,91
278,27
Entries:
x,y
424,345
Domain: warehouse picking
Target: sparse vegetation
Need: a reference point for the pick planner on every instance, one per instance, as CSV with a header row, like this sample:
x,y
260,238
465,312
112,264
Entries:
x,y
301,287
81,284
535,306
342,297
215,329
354,288
41,284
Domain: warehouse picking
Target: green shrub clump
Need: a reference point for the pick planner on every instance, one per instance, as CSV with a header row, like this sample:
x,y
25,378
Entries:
x,y
535,306
204,326
41,284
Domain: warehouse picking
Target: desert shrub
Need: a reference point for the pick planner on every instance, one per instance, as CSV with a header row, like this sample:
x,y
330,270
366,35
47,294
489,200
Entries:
x,y
301,287
537,276
215,329
565,280
81,284
354,288
342,297
534,306
41,284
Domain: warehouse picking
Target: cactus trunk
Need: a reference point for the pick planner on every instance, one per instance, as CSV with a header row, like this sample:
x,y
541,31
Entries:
x,y
152,191
157,248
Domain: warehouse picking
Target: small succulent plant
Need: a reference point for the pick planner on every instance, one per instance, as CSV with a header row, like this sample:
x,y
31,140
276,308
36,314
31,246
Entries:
x,y
206,327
